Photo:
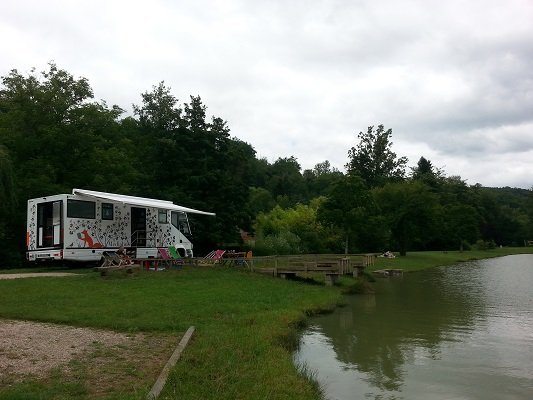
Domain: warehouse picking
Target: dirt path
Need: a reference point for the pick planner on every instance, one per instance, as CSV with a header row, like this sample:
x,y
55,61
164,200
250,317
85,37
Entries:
x,y
36,275
104,362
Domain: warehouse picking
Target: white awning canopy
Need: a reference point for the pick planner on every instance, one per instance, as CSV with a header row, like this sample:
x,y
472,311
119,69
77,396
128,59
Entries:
x,y
138,201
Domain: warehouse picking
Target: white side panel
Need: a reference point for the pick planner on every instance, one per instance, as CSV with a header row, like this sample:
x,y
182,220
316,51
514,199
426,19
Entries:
x,y
84,254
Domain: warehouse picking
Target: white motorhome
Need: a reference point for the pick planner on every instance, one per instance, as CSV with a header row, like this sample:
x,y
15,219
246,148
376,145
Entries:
x,y
82,225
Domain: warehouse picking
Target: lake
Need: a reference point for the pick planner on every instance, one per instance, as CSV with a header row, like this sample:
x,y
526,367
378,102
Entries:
x,y
456,332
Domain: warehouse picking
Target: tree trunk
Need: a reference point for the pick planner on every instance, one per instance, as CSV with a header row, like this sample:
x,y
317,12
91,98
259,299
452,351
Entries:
x,y
403,240
346,245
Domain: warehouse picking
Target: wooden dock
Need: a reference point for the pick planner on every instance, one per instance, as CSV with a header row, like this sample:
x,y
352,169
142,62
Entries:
x,y
332,267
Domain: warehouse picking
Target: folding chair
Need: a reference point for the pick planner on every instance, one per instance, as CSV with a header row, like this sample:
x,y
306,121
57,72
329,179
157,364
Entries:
x,y
111,259
175,256
215,256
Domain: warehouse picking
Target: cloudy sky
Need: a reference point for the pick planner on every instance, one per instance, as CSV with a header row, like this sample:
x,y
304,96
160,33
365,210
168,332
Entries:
x,y
453,79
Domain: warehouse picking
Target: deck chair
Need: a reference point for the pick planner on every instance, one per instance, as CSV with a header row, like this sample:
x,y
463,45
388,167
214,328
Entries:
x,y
211,254
168,260
173,253
111,259
213,257
219,254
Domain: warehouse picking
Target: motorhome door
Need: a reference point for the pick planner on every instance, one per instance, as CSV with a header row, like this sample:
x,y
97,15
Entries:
x,y
49,218
138,227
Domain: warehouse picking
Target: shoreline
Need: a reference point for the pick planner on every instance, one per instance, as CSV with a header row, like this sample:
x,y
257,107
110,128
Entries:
x,y
418,261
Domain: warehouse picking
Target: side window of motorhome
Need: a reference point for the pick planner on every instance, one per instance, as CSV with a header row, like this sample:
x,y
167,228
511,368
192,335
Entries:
x,y
163,218
107,211
179,220
81,209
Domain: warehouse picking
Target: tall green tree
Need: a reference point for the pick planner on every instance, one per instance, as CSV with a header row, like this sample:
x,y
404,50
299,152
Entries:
x,y
320,180
373,159
53,129
427,173
286,182
350,208
9,225
261,200
412,212
461,224
504,218
160,110
57,137
8,197
195,162
529,210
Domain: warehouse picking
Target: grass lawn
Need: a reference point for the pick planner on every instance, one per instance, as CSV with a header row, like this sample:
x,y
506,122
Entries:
x,y
246,327
415,261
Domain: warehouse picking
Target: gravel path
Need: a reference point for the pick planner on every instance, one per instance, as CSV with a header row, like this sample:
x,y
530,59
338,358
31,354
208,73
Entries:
x,y
35,348
35,275
108,362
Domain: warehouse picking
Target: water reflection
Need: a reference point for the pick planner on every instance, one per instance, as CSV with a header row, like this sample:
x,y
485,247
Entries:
x,y
433,334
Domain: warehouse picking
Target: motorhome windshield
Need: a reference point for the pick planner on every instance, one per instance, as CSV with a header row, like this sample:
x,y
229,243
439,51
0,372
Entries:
x,y
180,221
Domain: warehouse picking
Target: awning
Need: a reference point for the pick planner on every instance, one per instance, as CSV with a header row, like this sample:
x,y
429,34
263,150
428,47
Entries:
x,y
138,201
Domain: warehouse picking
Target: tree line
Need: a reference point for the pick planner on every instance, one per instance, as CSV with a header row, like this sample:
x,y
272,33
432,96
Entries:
x,y
54,137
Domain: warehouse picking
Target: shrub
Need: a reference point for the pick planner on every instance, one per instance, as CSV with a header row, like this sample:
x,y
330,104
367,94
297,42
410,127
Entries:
x,y
278,244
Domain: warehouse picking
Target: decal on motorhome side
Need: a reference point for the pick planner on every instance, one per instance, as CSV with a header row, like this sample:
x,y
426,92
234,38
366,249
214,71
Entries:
x,y
95,233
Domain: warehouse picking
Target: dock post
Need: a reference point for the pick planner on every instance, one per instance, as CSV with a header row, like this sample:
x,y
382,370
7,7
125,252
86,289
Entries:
x,y
330,279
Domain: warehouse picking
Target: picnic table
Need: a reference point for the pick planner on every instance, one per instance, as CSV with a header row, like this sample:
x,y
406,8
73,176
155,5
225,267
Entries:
x,y
155,263
235,258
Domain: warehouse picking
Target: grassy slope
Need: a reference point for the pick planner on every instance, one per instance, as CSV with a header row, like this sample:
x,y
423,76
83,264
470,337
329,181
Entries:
x,y
244,324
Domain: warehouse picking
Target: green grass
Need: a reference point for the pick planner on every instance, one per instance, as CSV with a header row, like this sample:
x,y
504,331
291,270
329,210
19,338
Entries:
x,y
246,326
416,261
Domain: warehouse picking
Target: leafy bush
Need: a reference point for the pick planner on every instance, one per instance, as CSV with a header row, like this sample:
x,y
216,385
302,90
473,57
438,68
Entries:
x,y
278,244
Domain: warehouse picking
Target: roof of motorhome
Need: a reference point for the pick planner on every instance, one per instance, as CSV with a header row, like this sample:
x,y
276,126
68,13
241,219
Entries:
x,y
138,201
